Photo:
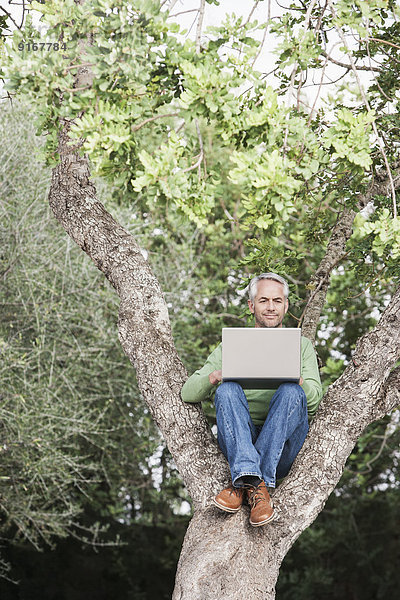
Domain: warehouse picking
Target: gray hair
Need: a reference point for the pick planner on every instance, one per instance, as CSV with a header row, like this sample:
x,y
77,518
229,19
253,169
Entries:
x,y
254,282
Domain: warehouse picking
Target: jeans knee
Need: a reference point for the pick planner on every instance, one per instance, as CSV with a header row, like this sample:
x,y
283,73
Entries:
x,y
227,390
292,392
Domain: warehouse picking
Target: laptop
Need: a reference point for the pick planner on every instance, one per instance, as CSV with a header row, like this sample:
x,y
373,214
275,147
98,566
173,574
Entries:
x,y
261,357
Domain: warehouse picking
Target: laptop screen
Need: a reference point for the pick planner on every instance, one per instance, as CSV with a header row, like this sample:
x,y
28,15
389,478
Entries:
x,y
261,357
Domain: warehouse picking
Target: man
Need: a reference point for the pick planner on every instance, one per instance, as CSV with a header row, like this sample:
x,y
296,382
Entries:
x,y
260,432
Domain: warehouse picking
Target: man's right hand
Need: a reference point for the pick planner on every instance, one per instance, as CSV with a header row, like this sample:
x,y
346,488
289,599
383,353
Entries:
x,y
215,377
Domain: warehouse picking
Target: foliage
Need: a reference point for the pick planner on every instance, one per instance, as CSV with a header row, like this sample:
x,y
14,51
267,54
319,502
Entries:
x,y
79,344
286,163
73,431
349,552
72,571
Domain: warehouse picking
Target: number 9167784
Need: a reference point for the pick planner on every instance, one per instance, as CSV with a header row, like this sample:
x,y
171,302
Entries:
x,y
38,46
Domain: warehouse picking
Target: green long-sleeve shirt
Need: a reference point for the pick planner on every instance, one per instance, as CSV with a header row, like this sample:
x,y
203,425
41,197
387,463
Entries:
x,y
198,387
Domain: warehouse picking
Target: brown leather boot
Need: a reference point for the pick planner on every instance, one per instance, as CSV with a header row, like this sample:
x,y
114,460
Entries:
x,y
230,499
261,506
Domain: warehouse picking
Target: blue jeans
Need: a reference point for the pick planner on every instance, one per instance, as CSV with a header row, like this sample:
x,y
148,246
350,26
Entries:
x,y
267,451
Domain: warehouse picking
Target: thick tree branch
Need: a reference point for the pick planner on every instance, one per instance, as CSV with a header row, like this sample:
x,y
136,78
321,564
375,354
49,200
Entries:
x,y
144,327
320,281
357,398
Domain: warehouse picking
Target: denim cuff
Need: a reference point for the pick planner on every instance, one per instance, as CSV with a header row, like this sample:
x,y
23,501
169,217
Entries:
x,y
244,475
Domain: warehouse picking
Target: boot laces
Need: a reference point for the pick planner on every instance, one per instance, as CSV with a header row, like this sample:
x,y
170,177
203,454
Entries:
x,y
255,495
235,491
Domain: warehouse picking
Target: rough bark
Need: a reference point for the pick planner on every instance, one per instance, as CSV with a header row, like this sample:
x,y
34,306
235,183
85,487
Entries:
x,y
319,283
222,556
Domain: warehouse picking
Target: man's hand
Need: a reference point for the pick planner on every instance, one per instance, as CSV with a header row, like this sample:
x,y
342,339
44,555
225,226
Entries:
x,y
301,381
215,377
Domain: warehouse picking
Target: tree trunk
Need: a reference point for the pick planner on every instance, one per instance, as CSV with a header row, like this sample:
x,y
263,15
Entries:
x,y
223,557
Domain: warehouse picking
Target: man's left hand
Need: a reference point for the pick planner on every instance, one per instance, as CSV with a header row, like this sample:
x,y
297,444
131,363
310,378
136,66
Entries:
x,y
301,381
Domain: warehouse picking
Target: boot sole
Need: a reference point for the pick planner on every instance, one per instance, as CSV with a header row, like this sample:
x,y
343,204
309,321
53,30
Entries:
x,y
226,509
271,518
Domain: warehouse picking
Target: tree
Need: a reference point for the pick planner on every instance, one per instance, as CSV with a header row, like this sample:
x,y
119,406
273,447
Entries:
x,y
297,174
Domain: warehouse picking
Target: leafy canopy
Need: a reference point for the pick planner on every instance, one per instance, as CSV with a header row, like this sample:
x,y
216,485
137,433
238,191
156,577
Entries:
x,y
155,95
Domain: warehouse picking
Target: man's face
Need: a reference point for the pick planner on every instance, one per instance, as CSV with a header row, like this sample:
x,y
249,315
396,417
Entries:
x,y
269,306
